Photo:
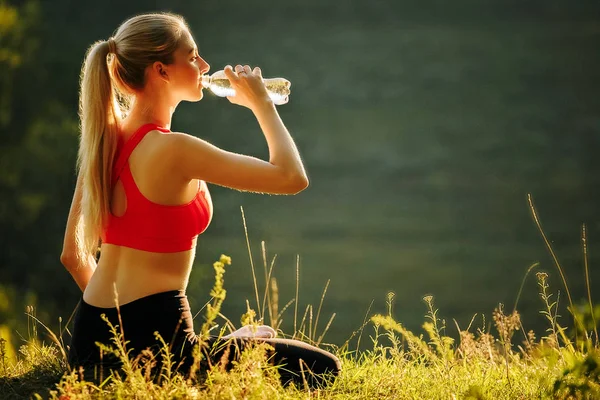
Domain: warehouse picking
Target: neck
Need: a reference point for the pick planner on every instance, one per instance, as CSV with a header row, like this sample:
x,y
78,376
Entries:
x,y
151,108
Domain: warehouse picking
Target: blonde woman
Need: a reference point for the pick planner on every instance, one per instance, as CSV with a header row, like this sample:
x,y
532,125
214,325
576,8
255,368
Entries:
x,y
141,194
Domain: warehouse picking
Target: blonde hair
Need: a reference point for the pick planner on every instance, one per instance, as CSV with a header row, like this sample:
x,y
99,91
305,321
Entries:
x,y
113,71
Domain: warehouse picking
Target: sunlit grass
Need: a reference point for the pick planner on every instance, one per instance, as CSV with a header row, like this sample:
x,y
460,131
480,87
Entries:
x,y
399,364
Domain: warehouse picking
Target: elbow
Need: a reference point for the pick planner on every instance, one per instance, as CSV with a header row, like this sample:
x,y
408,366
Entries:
x,y
69,260
298,183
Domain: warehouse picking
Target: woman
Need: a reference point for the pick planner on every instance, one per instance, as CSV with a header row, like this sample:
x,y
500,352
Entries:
x,y
141,193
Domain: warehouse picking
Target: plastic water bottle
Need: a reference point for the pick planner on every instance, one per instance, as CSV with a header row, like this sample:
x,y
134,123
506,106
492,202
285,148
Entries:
x,y
277,88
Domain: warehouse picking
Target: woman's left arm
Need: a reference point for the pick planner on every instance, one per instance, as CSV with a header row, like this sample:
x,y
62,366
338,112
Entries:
x,y
80,270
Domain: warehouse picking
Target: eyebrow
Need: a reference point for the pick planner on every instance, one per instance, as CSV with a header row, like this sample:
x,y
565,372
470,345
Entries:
x,y
191,50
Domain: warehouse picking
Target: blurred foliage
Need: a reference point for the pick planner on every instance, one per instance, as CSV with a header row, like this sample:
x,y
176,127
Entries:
x,y
580,379
37,155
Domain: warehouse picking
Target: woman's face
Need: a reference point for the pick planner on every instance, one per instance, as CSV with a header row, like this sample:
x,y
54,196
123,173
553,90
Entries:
x,y
186,71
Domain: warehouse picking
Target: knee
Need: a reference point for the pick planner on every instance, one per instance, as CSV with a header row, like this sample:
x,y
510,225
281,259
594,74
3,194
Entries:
x,y
336,365
331,366
324,370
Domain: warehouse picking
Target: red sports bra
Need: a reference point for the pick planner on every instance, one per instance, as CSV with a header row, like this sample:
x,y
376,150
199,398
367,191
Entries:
x,y
149,226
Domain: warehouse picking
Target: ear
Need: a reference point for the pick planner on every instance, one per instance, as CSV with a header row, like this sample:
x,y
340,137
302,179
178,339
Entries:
x,y
160,70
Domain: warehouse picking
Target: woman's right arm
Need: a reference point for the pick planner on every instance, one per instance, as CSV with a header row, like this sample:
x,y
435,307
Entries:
x,y
80,270
282,174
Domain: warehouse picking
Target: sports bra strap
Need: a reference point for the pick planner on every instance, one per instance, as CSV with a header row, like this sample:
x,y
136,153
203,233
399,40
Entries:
x,y
129,146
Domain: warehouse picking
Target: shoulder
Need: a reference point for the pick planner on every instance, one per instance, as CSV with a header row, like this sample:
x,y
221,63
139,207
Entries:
x,y
177,148
156,150
178,137
175,137
178,144
161,142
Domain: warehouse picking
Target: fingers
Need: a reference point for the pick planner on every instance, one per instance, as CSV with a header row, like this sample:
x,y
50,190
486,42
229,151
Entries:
x,y
241,70
245,70
247,83
229,73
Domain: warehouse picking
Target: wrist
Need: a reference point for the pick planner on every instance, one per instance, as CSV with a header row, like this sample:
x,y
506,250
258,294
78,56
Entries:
x,y
263,105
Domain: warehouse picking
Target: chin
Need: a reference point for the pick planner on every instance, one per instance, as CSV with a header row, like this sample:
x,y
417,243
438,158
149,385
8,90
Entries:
x,y
200,94
195,97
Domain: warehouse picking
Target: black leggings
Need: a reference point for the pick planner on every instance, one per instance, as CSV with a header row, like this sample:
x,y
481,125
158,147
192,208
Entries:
x,y
169,314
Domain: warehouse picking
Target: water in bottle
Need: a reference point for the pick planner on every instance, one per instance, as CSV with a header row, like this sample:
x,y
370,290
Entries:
x,y
277,88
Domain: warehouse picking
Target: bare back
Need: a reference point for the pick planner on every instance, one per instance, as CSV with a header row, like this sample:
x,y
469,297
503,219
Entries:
x,y
137,273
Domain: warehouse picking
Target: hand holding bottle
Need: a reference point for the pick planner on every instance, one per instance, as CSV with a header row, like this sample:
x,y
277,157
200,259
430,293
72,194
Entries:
x,y
247,87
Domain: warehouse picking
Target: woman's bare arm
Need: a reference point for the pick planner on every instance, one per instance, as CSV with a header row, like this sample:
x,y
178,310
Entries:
x,y
284,173
81,270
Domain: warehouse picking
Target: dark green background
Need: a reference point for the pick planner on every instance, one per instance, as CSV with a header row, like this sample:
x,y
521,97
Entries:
x,y
423,126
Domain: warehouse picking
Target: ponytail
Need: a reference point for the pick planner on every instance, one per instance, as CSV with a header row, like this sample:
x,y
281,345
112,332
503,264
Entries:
x,y
97,146
109,78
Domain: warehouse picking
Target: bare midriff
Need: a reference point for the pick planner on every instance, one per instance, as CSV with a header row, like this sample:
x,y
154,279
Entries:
x,y
134,274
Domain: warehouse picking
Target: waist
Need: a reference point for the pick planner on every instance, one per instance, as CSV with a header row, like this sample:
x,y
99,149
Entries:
x,y
172,299
136,274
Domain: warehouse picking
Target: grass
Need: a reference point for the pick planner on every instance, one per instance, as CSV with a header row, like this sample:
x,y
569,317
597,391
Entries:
x,y
484,364
491,359
399,364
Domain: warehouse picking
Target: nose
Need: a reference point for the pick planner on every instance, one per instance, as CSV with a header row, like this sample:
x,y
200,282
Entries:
x,y
204,66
